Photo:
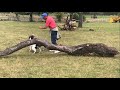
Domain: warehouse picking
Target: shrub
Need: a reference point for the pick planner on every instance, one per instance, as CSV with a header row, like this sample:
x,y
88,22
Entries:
x,y
76,16
59,16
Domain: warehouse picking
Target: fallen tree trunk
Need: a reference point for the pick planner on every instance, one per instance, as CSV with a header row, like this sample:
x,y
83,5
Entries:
x,y
83,49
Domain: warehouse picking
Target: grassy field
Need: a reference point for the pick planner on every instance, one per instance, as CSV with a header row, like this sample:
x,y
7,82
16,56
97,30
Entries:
x,y
23,64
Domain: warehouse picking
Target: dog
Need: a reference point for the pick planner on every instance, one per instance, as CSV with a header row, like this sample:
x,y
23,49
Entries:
x,y
34,48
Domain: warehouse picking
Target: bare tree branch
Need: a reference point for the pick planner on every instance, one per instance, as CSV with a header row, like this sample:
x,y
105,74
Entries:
x,y
83,49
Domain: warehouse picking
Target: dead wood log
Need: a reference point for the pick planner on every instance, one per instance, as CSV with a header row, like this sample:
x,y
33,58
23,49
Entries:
x,y
83,49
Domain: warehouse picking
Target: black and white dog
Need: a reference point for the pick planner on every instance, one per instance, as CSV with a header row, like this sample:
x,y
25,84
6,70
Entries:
x,y
34,48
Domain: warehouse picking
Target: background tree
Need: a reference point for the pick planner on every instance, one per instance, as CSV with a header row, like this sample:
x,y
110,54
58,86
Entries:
x,y
80,22
26,13
31,17
76,16
59,16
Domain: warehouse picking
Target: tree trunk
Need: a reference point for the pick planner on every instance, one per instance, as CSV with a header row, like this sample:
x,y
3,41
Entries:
x,y
71,16
83,49
31,19
80,20
17,16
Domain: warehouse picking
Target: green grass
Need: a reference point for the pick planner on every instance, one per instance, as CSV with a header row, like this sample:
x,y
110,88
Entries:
x,y
23,64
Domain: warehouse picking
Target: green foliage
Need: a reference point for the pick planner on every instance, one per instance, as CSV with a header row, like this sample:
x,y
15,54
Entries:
x,y
118,14
22,13
84,18
76,16
59,16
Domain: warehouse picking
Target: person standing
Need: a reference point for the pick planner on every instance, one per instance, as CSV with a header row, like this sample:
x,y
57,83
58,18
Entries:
x,y
51,24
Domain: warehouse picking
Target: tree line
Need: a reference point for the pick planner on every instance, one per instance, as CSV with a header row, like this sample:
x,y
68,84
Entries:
x,y
59,15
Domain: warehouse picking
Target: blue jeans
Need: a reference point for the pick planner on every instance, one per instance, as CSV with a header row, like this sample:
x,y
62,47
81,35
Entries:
x,y
54,37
